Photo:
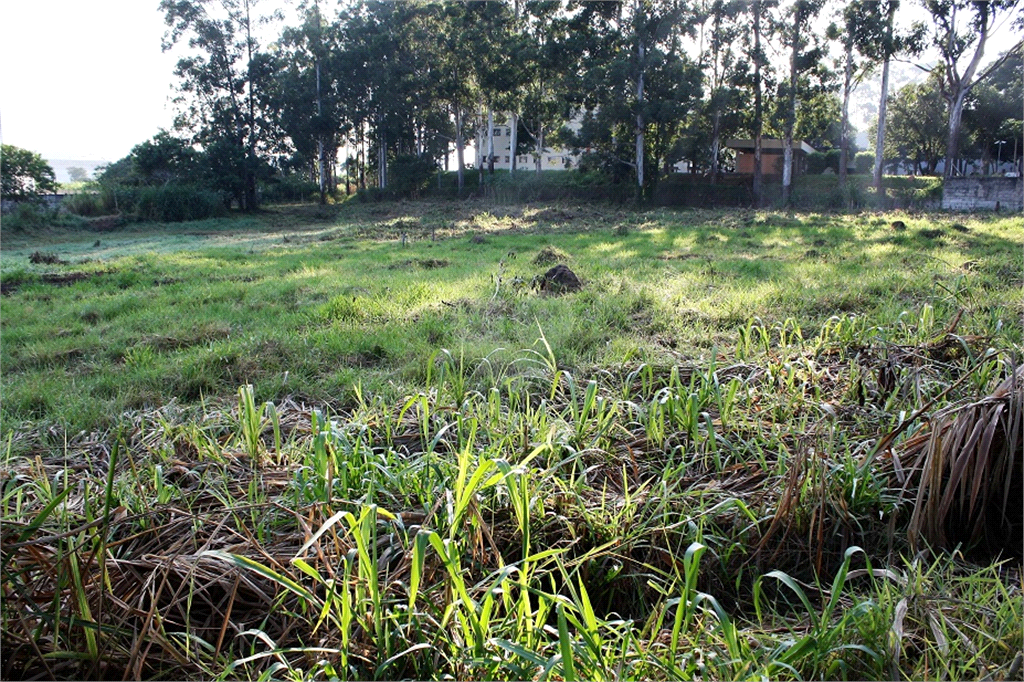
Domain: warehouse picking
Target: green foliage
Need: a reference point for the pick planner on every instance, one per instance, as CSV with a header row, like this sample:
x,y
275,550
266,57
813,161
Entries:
x,y
410,175
288,188
24,175
863,162
177,203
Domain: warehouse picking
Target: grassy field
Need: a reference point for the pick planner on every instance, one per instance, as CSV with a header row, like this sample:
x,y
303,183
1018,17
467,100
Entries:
x,y
364,441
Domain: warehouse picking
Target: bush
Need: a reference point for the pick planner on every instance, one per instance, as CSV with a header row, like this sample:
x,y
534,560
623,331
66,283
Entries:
x,y
31,215
178,203
816,163
410,175
864,162
86,204
289,188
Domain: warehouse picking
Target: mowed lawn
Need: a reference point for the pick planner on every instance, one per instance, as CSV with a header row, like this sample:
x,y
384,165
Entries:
x,y
368,441
308,302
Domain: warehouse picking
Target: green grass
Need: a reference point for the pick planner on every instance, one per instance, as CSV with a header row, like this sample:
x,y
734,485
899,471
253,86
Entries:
x,y
300,445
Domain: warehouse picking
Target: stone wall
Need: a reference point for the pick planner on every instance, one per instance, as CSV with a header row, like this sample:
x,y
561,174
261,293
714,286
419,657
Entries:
x,y
986,194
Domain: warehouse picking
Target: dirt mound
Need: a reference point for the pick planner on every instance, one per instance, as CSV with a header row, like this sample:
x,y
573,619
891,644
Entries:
x,y
559,280
549,255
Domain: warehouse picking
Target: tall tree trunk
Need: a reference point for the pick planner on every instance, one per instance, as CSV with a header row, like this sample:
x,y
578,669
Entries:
x,y
844,130
787,145
460,145
513,140
361,155
876,177
540,146
250,166
956,112
479,149
490,141
758,107
320,140
883,100
639,102
716,144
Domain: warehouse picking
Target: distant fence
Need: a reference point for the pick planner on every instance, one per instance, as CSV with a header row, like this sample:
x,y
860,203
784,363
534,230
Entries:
x,y
991,194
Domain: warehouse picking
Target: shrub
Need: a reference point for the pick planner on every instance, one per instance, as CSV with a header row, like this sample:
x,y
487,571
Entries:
x,y
864,162
816,163
178,203
31,215
410,175
289,188
86,204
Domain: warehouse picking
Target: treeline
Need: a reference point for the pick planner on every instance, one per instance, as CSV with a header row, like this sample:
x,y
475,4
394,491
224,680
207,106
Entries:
x,y
402,87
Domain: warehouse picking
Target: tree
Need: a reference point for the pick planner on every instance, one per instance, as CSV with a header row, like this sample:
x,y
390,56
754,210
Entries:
x,y
859,22
720,29
961,29
24,175
879,40
917,125
78,174
993,110
221,89
805,54
638,85
757,77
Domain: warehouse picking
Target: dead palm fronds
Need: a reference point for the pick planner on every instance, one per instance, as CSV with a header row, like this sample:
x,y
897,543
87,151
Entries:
x,y
970,473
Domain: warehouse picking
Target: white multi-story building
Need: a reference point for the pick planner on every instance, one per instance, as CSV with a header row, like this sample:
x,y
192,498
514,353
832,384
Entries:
x,y
553,158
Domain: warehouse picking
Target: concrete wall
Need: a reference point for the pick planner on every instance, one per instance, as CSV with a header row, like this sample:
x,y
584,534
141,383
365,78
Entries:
x,y
973,193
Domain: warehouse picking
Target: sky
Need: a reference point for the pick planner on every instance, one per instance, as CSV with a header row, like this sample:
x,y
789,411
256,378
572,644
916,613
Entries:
x,y
87,79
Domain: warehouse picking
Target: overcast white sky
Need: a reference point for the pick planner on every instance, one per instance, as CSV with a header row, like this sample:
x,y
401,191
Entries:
x,y
86,79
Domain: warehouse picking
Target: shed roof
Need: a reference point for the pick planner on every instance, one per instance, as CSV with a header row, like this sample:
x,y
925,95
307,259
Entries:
x,y
768,143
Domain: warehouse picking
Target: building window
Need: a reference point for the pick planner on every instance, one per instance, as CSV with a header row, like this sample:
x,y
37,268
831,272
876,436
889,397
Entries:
x,y
497,132
506,159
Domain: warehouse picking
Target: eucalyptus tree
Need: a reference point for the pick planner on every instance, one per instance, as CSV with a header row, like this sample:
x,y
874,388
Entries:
x,y
547,70
856,21
222,81
756,75
805,53
961,30
637,82
880,40
311,94
721,26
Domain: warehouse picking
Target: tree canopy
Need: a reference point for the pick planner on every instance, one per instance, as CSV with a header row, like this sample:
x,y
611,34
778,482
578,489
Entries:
x,y
24,174
634,87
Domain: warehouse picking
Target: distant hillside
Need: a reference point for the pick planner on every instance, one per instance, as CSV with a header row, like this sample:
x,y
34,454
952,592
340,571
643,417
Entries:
x,y
61,166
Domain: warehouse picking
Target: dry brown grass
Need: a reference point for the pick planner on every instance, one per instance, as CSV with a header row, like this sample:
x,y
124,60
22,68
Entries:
x,y
970,463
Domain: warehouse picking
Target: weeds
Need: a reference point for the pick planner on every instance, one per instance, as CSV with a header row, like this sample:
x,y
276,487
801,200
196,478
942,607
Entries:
x,y
741,507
